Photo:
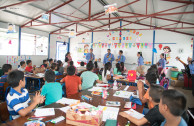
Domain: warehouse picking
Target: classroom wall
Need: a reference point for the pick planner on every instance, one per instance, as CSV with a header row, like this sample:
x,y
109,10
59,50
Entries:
x,y
161,36
37,60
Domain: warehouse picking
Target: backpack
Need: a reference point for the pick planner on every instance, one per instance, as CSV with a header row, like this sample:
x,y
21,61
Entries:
x,y
164,83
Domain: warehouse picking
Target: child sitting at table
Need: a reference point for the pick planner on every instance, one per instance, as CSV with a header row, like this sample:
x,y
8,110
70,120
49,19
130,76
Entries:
x,y
45,64
60,67
96,68
54,68
88,77
50,62
29,67
18,97
106,73
22,66
153,116
6,69
144,95
123,68
117,70
81,68
172,106
72,82
51,90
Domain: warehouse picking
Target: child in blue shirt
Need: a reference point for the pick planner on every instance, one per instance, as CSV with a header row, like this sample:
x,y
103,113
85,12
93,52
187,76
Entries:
x,y
6,69
172,106
18,98
117,70
51,90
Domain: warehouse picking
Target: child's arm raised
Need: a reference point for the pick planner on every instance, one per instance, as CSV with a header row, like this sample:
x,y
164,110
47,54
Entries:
x,y
138,122
36,100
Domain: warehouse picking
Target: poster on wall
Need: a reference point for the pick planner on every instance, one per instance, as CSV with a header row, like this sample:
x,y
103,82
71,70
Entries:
x,y
167,51
15,60
86,49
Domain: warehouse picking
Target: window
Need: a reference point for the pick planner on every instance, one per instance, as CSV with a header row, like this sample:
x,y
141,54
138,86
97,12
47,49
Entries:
x,y
8,43
61,51
33,44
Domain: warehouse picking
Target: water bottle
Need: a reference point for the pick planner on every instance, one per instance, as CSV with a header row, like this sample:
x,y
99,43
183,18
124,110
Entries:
x,y
115,85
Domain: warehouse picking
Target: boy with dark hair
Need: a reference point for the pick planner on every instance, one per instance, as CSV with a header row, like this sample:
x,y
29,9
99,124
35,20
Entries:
x,y
54,68
144,95
50,62
22,66
88,77
172,106
6,69
18,97
51,90
81,68
153,116
72,82
45,64
29,67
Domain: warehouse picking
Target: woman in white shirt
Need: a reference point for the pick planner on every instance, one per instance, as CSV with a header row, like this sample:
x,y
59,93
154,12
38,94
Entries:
x,y
106,73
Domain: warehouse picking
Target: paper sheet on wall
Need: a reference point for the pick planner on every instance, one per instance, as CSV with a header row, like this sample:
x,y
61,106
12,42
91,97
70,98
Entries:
x,y
15,60
135,114
67,101
109,112
44,112
123,94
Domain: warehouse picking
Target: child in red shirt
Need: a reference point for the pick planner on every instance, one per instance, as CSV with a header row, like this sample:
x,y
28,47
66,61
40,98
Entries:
x,y
72,82
29,67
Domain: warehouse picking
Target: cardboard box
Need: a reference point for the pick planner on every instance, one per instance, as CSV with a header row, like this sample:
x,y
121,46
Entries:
x,y
85,120
177,83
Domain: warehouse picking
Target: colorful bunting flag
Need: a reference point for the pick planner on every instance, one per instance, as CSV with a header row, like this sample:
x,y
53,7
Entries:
x,y
99,45
105,45
109,46
150,45
142,44
123,45
115,45
138,44
146,45
102,45
126,45
130,44
134,44
119,45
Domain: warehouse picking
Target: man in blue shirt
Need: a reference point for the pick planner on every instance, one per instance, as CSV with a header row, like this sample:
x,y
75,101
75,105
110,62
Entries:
x,y
108,57
90,56
191,67
121,57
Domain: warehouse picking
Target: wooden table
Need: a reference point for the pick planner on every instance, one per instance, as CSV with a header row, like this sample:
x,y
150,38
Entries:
x,y
97,100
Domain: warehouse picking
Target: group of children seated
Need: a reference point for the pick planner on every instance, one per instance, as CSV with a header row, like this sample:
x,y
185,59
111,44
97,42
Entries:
x,y
165,107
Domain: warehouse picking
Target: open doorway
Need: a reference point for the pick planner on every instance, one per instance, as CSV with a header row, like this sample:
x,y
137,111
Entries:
x,y
61,50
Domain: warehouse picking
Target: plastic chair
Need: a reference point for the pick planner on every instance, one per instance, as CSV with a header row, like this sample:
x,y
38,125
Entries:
x,y
4,113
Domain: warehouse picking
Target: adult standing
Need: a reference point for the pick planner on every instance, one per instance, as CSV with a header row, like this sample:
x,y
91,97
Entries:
x,y
191,67
90,56
108,57
68,58
121,57
141,68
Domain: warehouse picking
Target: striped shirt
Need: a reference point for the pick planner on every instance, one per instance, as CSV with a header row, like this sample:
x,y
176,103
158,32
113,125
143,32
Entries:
x,y
17,101
2,81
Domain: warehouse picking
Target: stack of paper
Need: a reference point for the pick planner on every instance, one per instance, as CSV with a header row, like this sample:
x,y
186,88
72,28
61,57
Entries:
x,y
99,89
123,94
135,114
44,112
101,85
109,112
67,101
64,109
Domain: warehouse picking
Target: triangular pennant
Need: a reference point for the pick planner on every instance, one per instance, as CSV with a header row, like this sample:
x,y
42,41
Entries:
x,y
142,44
99,45
115,45
138,44
102,45
123,44
105,44
119,45
150,45
109,46
134,44
130,44
126,45
146,45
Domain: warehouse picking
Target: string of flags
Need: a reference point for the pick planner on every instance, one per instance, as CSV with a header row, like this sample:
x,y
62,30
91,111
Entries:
x,y
122,45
